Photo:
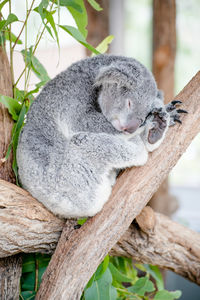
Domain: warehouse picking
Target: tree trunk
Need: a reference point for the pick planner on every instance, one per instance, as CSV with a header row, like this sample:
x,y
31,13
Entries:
x,y
79,251
98,23
164,51
10,268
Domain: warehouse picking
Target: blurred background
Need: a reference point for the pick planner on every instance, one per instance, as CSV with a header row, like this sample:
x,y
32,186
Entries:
x,y
131,22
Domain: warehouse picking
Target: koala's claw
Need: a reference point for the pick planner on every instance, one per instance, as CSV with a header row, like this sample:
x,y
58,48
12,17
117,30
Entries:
x,y
176,119
175,113
174,102
180,111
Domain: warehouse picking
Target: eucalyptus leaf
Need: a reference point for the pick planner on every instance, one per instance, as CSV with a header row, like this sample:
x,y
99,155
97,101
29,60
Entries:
x,y
142,286
81,221
80,18
12,105
15,137
166,295
50,19
28,281
103,46
11,18
74,32
156,274
28,263
117,275
95,5
28,295
102,268
102,289
13,37
2,24
71,3
35,65
2,4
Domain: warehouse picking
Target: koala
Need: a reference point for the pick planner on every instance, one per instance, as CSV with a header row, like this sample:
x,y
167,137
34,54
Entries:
x,y
99,116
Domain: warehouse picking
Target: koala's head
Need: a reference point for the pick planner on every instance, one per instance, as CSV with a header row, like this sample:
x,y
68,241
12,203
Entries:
x,y
127,91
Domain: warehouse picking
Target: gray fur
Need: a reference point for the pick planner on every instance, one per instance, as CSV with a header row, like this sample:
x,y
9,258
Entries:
x,y
87,123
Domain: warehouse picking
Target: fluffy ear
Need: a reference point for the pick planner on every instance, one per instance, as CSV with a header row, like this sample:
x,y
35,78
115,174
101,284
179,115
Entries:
x,y
114,74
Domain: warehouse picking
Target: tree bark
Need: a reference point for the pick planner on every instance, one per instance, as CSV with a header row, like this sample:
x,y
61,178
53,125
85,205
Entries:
x,y
163,61
28,227
78,255
10,268
98,23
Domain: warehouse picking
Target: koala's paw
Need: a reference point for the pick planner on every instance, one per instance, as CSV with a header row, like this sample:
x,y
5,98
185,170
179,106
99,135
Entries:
x,y
174,112
159,119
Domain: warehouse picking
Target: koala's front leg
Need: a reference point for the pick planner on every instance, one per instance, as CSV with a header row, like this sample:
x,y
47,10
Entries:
x,y
115,151
158,122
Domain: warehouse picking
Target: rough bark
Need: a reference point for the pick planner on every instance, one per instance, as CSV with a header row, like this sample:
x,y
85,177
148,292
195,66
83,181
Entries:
x,y
164,45
6,122
162,242
163,61
77,257
10,268
157,240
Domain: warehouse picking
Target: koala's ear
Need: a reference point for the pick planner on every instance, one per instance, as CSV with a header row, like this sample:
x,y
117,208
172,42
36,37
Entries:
x,y
113,74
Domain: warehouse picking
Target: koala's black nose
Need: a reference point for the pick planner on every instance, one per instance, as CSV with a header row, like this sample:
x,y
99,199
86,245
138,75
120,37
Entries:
x,y
132,126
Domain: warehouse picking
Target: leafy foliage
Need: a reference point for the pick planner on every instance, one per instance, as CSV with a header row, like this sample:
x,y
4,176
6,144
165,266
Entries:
x,y
116,278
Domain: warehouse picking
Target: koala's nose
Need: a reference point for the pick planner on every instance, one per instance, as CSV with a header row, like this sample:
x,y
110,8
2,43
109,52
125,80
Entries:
x,y
132,126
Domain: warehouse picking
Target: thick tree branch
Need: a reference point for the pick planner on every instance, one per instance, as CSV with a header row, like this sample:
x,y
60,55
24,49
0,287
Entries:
x,y
77,257
26,226
162,242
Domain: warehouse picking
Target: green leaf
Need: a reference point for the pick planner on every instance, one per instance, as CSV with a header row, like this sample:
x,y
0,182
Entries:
x,y
37,88
13,37
28,295
102,289
74,32
118,276
142,286
50,19
15,136
28,263
71,3
103,46
12,105
2,24
10,19
35,65
80,18
102,268
81,221
141,267
156,274
166,295
2,4
95,5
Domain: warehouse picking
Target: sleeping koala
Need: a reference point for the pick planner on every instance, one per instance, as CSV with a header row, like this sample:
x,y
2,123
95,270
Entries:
x,y
101,115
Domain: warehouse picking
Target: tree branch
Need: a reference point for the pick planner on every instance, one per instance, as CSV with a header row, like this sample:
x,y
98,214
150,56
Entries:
x,y
28,227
